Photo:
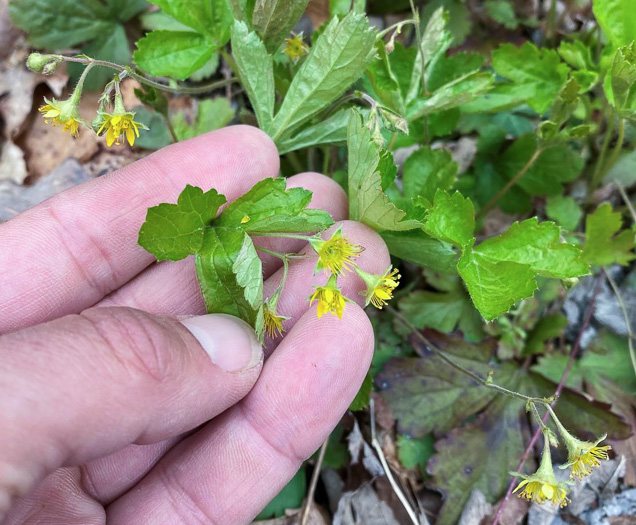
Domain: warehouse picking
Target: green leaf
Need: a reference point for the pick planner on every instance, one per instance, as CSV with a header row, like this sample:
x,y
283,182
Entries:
x,y
500,271
367,202
174,231
555,165
158,135
256,70
450,68
414,452
617,18
60,24
443,311
495,286
426,170
537,245
126,9
270,207
212,114
176,54
291,497
384,81
339,57
503,12
229,271
456,93
273,19
623,171
603,244
208,17
451,219
418,248
363,397
548,327
459,17
564,210
577,54
112,46
536,77
331,131
623,79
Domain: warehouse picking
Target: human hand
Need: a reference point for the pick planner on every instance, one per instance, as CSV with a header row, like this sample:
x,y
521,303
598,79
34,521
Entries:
x,y
110,409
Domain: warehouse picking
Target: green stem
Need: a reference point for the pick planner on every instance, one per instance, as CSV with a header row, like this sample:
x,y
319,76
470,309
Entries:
x,y
173,133
143,80
418,37
397,25
598,170
617,148
444,357
630,334
628,203
510,183
539,419
284,236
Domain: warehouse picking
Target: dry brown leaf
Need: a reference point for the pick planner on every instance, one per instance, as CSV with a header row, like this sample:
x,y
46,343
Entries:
x,y
17,85
46,147
12,164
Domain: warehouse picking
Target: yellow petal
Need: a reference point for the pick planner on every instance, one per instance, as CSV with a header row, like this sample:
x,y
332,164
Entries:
x,y
110,137
547,490
130,135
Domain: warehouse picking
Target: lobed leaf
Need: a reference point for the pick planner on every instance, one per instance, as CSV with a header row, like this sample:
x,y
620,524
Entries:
x,y
603,244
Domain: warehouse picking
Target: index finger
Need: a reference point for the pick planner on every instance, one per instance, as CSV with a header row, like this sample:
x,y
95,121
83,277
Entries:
x,y
67,253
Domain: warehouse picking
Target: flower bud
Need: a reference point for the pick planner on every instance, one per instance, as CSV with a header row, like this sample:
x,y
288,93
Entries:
x,y
45,64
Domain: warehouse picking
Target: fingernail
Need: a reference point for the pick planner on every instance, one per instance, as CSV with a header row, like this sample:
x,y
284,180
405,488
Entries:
x,y
230,342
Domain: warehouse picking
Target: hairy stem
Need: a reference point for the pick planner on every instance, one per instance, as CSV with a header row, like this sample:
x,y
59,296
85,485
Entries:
x,y
143,80
510,183
449,361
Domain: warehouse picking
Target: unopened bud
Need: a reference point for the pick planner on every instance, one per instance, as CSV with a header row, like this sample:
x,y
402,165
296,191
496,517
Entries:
x,y
45,64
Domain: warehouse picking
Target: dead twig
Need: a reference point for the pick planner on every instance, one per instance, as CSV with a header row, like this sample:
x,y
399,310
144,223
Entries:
x,y
314,482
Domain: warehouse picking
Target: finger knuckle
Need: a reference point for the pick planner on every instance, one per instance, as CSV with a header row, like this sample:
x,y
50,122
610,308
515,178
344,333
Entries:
x,y
136,341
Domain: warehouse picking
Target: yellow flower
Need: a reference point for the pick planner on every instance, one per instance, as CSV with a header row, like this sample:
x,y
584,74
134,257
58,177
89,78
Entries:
x,y
542,486
329,298
379,287
583,456
335,254
295,47
273,321
117,125
60,114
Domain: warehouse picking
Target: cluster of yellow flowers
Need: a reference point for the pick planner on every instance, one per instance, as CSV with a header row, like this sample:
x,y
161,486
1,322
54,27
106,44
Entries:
x,y
117,125
335,256
583,457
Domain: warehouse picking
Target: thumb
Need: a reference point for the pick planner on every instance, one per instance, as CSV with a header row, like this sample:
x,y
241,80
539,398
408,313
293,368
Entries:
x,y
87,385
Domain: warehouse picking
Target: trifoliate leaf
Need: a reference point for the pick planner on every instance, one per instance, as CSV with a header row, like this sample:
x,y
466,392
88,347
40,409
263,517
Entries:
x,y
273,19
211,114
177,54
564,210
230,275
207,17
419,248
340,56
427,170
270,207
363,397
174,231
415,452
617,18
256,70
451,219
603,244
367,202
536,77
